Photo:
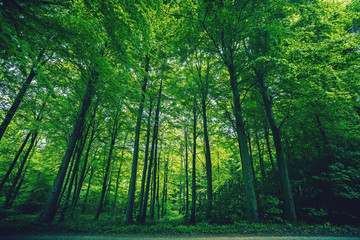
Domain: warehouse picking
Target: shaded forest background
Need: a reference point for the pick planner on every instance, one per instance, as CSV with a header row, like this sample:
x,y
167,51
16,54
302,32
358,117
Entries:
x,y
208,110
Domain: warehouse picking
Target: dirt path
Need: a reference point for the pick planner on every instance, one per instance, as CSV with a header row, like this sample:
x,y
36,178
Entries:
x,y
137,237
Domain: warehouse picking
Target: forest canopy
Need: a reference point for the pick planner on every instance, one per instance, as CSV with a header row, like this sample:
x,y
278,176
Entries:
x,y
205,110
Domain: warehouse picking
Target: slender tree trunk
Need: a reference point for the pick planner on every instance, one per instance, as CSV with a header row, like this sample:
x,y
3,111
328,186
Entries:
x,y
186,173
69,171
266,130
112,144
73,180
154,186
49,211
11,112
158,189
132,186
251,204
284,175
208,162
82,174
154,140
251,157
143,180
7,174
9,196
164,197
193,197
118,177
88,189
261,160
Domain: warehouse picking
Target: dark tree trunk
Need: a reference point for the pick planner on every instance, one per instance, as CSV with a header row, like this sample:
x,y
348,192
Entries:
x,y
266,130
152,155
186,174
118,176
193,197
7,174
11,191
143,180
114,133
88,189
251,204
132,186
83,171
49,211
251,157
284,175
207,161
261,160
154,186
11,112
164,197
158,189
69,171
72,182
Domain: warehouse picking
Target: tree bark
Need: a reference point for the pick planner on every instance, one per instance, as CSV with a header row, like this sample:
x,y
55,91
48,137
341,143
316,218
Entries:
x,y
88,189
114,133
118,177
284,175
82,174
49,211
251,204
132,186
11,112
266,130
186,174
207,161
7,174
193,197
11,191
261,160
143,180
152,155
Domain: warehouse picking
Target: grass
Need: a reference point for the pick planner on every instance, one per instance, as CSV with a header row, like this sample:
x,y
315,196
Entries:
x,y
173,224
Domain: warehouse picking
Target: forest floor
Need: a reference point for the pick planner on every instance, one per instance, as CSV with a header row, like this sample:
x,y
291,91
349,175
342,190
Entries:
x,y
168,237
26,227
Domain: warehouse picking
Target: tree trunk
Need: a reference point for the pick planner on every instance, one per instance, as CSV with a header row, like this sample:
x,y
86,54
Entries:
x,y
14,161
251,157
193,197
154,140
74,173
164,197
114,133
143,180
154,186
251,204
284,175
11,112
88,189
82,174
69,171
266,130
261,160
186,174
49,211
11,191
208,162
118,177
132,185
